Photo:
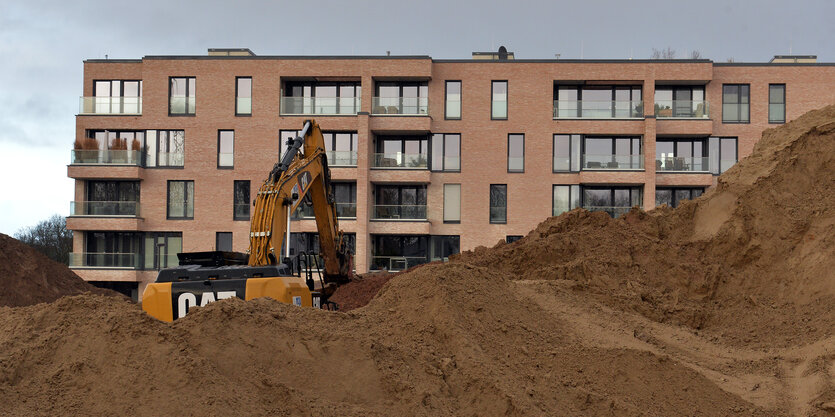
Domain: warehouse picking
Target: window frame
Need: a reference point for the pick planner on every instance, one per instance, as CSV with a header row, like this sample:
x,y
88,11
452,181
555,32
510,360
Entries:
x,y
509,171
507,99
188,94
219,132
770,120
571,151
444,209
673,200
443,152
490,218
156,147
185,200
237,113
572,199
738,103
248,203
460,99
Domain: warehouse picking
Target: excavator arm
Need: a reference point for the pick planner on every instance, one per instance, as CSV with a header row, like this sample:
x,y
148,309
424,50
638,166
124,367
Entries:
x,y
302,171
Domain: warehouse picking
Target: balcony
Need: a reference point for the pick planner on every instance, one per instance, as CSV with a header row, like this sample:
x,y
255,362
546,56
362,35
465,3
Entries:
x,y
418,106
110,106
319,106
682,164
612,211
105,260
396,263
399,212
342,158
106,157
343,211
588,109
681,109
400,160
613,162
104,208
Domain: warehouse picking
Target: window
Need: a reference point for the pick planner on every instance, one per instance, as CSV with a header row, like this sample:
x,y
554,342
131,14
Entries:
x,y
225,148
181,200
402,152
441,247
567,153
401,98
722,153
341,148
394,202
735,103
498,203
686,155
243,96
566,198
344,196
306,97
597,102
309,243
498,108
116,97
776,103
516,152
452,109
111,250
223,241
161,249
452,203
122,147
241,200
165,148
615,201
283,137
674,196
110,198
512,238
398,252
446,152
680,101
621,153
181,96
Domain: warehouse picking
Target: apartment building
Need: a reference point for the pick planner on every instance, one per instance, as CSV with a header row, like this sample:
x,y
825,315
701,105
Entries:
x,y
428,156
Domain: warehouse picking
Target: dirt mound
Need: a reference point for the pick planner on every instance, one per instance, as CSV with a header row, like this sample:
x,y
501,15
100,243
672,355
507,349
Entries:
x,y
360,291
752,259
28,277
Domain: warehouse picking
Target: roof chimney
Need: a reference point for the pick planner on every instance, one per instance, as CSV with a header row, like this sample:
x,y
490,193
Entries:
x,y
502,53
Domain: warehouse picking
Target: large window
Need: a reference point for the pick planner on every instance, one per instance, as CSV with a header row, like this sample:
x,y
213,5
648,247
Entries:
x,y
567,153
399,202
441,247
118,147
110,198
498,203
621,153
345,198
498,107
776,103
161,249
446,152
735,103
398,252
402,152
341,148
225,148
307,97
680,101
241,200
685,154
452,104
308,242
405,97
722,153
115,97
223,241
615,201
181,95
110,250
165,148
597,101
452,203
566,198
181,200
243,96
516,152
674,196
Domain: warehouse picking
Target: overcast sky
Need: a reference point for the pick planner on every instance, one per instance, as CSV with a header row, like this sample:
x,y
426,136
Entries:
x,y
43,44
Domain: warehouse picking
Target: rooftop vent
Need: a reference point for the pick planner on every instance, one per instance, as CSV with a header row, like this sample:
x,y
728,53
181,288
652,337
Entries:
x,y
502,55
794,59
230,52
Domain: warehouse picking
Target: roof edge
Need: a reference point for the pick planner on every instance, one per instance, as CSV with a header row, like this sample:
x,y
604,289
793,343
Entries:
x,y
289,57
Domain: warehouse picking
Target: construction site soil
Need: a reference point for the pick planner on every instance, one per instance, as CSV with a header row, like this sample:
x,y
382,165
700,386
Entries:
x,y
719,307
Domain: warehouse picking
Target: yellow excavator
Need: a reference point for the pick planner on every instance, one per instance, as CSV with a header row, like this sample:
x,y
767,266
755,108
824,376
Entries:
x,y
300,177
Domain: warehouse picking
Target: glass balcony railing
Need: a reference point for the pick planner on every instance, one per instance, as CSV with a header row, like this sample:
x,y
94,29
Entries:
x,y
104,208
587,109
320,105
110,105
400,160
682,109
400,105
396,263
243,105
613,211
400,212
619,162
498,214
106,157
241,211
343,210
182,105
105,260
342,158
682,164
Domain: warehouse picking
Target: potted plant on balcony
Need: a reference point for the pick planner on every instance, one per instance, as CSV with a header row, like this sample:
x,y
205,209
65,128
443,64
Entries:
x,y
133,153
120,157
86,151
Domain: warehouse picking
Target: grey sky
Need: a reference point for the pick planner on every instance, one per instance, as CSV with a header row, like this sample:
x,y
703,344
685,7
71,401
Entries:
x,y
43,44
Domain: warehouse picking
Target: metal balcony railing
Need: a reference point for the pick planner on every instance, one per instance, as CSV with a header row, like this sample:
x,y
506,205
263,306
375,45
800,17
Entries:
x,y
104,208
106,157
682,164
614,162
589,109
320,105
400,105
110,105
681,109
400,160
399,212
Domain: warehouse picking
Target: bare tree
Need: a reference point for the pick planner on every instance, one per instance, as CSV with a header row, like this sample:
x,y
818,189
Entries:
x,y
695,54
49,237
666,53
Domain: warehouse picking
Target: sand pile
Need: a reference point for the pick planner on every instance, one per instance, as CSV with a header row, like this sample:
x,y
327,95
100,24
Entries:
x,y
28,277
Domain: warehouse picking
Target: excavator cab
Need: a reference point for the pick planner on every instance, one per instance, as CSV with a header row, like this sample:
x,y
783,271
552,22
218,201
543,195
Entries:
x,y
204,277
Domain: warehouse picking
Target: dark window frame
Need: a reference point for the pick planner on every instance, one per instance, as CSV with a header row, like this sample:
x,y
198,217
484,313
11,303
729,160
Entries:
x,y
770,120
673,199
219,131
156,138
237,113
248,202
578,88
490,206
189,93
509,171
512,238
443,155
614,141
570,151
427,139
507,99
460,102
121,86
738,103
185,200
